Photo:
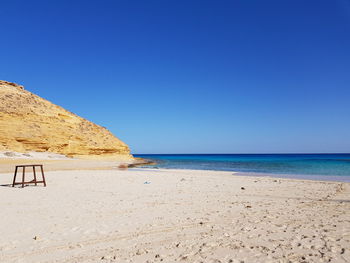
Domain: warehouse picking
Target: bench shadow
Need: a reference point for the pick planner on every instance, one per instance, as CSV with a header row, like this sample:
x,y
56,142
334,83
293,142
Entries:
x,y
20,186
6,185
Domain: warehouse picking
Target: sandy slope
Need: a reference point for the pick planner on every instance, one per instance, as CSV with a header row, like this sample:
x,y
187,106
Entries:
x,y
54,162
173,215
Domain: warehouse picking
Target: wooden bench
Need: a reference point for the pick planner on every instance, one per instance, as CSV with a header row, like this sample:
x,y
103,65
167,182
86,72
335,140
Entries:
x,y
34,181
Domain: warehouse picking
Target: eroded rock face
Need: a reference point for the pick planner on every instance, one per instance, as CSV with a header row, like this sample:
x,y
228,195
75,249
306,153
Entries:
x,y
31,123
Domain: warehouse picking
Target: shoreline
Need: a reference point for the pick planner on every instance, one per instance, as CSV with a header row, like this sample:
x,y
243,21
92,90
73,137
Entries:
x,y
329,167
323,178
7,166
54,161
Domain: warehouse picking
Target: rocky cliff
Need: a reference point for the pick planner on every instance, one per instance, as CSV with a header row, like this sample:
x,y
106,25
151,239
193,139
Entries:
x,y
31,123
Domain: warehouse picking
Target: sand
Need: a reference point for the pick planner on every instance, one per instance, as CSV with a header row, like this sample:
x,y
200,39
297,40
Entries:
x,y
57,162
155,215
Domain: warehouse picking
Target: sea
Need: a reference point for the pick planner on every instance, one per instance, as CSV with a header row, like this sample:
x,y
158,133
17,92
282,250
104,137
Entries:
x,y
329,167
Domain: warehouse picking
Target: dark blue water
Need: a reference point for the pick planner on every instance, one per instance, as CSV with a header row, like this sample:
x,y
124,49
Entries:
x,y
282,164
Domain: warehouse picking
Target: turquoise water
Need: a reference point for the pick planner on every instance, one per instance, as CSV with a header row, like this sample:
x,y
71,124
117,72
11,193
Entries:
x,y
298,165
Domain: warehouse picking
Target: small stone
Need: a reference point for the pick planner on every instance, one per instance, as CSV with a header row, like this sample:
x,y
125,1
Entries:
x,y
242,188
141,251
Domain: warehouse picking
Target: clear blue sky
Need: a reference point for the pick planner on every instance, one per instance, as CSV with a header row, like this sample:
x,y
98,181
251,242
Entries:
x,y
190,76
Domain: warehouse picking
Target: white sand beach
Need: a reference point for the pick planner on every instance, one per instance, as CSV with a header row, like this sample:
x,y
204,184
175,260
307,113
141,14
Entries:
x,y
155,215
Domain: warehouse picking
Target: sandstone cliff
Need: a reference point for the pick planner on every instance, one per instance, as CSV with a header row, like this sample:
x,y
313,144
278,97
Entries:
x,y
30,123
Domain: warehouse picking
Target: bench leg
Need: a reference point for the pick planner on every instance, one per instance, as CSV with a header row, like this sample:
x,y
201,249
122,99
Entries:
x,y
24,171
34,175
42,173
14,177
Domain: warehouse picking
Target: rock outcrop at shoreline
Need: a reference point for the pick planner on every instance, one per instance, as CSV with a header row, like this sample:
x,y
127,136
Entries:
x,y
31,123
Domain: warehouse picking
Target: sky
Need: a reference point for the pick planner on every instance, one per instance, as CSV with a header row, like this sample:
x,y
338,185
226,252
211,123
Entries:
x,y
186,76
